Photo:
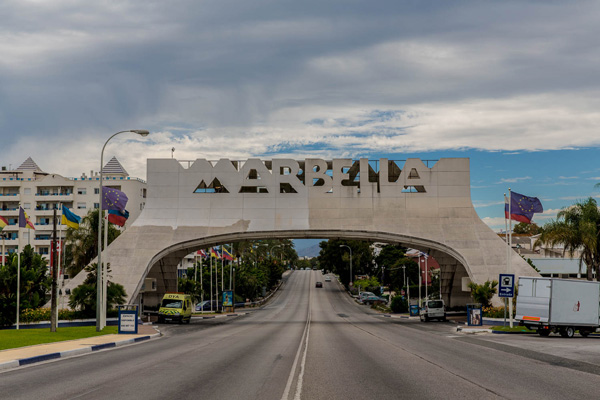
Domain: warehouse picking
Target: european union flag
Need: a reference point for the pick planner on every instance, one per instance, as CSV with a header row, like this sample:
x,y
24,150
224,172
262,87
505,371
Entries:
x,y
113,199
522,207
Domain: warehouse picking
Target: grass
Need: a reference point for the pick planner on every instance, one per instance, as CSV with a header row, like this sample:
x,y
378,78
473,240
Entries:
x,y
12,338
513,329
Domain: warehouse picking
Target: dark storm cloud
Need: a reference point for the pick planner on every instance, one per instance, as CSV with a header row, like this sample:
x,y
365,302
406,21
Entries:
x,y
465,73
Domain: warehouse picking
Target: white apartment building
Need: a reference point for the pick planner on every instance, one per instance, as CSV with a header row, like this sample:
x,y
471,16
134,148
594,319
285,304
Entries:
x,y
40,193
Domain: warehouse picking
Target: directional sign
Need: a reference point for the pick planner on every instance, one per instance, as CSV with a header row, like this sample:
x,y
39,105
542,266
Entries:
x,y
507,285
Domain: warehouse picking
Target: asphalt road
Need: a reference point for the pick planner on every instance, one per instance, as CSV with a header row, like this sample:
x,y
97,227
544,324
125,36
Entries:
x,y
312,343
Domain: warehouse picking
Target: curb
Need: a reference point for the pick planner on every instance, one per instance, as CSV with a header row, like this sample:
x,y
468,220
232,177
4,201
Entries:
x,y
394,316
70,353
221,316
473,330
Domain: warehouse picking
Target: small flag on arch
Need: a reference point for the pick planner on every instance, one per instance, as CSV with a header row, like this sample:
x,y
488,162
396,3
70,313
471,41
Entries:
x,y
202,253
226,254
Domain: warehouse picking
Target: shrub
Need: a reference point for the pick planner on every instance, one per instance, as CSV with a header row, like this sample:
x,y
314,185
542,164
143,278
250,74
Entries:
x,y
495,312
399,304
483,293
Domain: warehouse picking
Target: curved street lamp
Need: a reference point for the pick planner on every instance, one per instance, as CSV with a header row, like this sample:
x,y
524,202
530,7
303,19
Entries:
x,y
343,245
99,277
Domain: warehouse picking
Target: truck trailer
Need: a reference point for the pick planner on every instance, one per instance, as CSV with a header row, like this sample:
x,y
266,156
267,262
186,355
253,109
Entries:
x,y
558,305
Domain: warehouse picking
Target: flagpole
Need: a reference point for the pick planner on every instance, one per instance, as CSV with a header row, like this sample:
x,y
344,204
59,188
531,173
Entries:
x,y
105,272
211,282
18,278
59,258
231,267
507,248
510,303
222,269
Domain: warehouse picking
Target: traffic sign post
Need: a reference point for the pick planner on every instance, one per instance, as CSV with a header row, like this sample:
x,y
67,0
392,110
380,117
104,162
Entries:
x,y
507,285
507,291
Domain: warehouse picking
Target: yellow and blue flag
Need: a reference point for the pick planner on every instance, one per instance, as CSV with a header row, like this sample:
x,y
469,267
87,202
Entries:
x,y
69,218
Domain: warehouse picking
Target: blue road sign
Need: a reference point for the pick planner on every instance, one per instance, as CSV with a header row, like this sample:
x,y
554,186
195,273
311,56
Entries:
x,y
507,285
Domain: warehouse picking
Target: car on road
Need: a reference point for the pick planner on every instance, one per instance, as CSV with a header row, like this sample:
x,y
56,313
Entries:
x,y
433,309
327,279
319,284
176,307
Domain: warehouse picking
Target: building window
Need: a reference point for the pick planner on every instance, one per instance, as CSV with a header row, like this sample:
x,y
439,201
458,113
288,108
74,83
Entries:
x,y
81,206
26,190
97,191
43,250
26,206
81,191
96,205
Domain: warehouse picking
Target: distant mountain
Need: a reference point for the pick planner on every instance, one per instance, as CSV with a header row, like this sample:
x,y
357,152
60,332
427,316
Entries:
x,y
312,251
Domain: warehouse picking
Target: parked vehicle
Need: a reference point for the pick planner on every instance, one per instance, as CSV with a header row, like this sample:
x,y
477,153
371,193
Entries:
x,y
558,305
373,299
205,305
433,309
175,307
363,295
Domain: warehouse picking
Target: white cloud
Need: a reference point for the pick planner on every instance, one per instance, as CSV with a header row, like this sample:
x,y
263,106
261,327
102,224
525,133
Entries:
x,y
514,180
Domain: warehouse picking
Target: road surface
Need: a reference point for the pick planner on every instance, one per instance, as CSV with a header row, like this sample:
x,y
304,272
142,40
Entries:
x,y
311,343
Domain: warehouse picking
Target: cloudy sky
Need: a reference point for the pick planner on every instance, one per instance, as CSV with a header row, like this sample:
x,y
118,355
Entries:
x,y
513,85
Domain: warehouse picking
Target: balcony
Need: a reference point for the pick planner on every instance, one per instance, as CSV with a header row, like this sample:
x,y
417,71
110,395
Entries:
x,y
10,196
10,212
47,196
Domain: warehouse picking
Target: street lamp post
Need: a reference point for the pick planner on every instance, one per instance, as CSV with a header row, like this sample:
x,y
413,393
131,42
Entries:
x,y
99,277
343,245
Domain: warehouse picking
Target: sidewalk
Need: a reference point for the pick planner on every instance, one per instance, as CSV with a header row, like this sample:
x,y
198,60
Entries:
x,y
13,358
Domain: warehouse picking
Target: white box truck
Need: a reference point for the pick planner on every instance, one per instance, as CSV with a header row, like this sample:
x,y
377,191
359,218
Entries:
x,y
558,305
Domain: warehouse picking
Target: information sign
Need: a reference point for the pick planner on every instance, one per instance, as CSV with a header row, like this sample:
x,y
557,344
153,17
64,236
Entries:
x,y
128,321
507,285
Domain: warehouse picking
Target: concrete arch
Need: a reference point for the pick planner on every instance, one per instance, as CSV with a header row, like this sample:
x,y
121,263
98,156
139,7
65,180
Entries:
x,y
213,202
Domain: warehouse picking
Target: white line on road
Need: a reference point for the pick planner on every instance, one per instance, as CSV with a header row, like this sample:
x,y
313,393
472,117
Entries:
x,y
301,375
304,340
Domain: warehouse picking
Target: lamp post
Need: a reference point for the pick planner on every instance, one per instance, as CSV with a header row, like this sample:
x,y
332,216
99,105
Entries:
x,y
343,245
99,277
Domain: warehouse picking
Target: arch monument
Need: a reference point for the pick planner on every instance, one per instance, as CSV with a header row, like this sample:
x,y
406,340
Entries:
x,y
420,204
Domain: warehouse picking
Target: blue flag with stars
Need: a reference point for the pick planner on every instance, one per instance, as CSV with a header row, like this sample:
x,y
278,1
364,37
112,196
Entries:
x,y
113,199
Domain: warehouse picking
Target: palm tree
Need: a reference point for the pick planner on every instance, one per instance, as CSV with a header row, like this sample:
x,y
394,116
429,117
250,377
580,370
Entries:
x,y
577,228
82,244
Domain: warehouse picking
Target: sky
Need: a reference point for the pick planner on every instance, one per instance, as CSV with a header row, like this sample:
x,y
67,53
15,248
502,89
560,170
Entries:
x,y
512,85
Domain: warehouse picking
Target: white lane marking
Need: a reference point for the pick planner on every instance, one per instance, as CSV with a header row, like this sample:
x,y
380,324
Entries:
x,y
301,375
304,338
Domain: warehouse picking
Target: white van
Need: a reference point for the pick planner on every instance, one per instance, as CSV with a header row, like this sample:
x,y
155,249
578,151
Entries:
x,y
433,309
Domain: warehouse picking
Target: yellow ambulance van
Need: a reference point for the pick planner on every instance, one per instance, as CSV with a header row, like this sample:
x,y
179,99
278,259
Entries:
x,y
175,307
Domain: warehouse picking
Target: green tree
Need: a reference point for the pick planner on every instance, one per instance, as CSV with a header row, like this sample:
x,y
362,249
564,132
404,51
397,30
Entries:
x,y
483,293
81,245
527,229
334,258
393,258
83,297
577,228
34,284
